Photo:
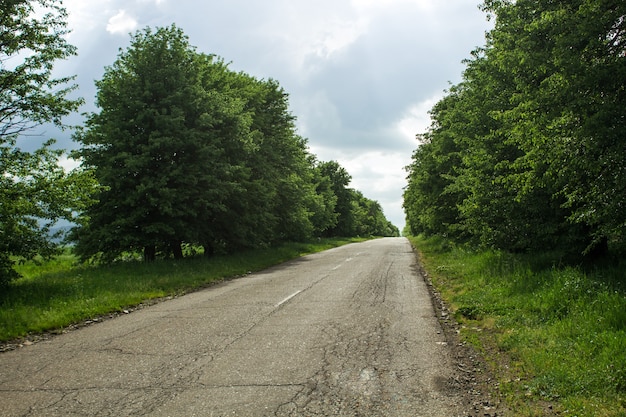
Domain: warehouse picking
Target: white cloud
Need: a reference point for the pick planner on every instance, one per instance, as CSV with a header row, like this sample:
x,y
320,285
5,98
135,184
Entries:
x,y
375,5
318,113
121,23
305,35
335,35
416,119
378,171
68,163
84,16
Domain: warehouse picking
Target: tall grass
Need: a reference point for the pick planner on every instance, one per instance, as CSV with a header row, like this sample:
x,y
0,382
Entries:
x,y
57,293
554,334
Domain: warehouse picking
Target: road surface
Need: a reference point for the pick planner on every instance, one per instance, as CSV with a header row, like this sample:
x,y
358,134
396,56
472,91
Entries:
x,y
346,332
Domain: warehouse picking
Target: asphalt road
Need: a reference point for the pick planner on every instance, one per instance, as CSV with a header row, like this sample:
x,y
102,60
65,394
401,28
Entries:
x,y
346,332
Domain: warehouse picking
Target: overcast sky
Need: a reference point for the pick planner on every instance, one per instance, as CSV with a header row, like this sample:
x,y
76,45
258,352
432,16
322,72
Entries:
x,y
361,74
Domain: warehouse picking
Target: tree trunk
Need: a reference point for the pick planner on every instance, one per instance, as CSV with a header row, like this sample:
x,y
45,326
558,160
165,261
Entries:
x,y
209,251
177,250
149,253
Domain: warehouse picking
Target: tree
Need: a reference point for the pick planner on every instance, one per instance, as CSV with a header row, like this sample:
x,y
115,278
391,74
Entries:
x,y
344,211
166,145
495,208
35,192
325,216
191,152
430,204
369,217
566,61
281,188
339,180
29,46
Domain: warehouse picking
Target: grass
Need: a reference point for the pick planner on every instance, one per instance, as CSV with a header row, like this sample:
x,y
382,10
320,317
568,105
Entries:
x,y
57,293
554,335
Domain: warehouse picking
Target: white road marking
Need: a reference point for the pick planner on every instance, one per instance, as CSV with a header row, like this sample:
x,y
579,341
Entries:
x,y
288,298
339,266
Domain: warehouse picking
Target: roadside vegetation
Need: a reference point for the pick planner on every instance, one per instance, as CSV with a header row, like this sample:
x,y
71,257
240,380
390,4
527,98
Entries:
x,y
522,171
528,151
59,292
554,335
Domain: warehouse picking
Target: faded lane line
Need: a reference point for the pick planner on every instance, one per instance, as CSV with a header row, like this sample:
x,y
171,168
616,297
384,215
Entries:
x,y
288,298
339,266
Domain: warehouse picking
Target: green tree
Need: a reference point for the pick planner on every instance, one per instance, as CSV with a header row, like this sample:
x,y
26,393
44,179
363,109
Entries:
x,y
369,217
325,216
493,208
192,152
430,204
566,63
281,195
166,146
35,192
345,211
339,180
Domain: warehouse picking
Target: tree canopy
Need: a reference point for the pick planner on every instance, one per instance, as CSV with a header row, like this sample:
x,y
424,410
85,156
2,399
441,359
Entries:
x,y
35,192
528,150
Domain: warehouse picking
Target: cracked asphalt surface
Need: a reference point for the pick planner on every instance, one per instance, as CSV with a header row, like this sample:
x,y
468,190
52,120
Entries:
x,y
347,332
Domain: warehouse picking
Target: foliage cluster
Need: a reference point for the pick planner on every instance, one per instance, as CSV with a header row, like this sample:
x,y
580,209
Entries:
x,y
528,151
55,293
35,192
183,151
555,336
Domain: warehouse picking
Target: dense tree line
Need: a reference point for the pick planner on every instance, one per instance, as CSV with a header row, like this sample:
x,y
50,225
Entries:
x,y
183,151
193,153
529,151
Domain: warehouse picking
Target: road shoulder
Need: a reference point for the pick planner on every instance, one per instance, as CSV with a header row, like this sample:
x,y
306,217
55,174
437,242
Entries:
x,y
475,382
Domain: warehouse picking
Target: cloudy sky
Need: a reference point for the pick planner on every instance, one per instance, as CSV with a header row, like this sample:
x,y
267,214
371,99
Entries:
x,y
361,74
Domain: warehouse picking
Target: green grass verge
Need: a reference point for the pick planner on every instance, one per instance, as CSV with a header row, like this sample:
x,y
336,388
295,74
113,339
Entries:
x,y
57,293
554,335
